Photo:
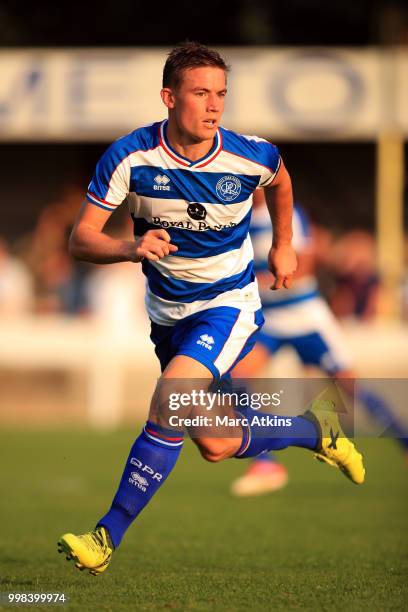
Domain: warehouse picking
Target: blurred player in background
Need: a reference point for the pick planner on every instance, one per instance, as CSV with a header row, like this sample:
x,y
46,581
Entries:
x,y
189,184
301,319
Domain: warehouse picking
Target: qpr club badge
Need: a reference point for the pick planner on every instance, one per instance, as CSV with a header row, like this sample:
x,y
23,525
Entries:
x,y
228,188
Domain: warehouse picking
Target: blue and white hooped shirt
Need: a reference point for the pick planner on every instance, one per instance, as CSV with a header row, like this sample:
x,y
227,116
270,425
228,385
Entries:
x,y
204,205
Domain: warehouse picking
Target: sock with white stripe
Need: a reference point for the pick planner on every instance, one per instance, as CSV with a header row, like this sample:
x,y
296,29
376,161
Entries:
x,y
151,459
258,438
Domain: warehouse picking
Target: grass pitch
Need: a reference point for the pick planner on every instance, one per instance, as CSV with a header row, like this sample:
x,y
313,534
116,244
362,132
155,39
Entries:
x,y
320,544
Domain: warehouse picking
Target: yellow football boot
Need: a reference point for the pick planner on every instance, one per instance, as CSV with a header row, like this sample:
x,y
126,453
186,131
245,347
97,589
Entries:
x,y
91,551
334,447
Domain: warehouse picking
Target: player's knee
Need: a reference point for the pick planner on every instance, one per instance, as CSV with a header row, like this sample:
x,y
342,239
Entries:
x,y
217,449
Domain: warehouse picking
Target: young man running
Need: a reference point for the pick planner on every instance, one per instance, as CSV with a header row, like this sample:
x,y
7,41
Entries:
x,y
188,185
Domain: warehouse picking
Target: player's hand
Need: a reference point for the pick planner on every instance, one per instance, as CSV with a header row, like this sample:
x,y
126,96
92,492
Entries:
x,y
282,263
154,245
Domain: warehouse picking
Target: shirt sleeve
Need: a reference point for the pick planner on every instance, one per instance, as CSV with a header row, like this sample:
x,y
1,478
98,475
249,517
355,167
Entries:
x,y
271,160
110,183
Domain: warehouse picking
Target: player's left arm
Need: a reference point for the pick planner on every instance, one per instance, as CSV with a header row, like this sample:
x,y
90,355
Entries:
x,y
282,257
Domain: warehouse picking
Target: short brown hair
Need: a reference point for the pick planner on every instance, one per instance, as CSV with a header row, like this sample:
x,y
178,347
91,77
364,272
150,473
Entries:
x,y
189,55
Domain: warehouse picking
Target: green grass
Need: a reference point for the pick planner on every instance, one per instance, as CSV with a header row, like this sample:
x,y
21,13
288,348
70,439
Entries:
x,y
320,544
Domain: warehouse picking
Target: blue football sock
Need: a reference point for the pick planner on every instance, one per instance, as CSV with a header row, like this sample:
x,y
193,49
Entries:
x,y
274,435
150,461
383,414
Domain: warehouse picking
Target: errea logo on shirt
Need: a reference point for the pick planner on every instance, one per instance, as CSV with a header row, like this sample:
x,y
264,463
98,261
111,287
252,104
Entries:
x,y
161,183
206,341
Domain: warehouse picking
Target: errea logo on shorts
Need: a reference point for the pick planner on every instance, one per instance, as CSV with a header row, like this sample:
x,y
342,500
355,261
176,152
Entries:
x,y
161,183
206,341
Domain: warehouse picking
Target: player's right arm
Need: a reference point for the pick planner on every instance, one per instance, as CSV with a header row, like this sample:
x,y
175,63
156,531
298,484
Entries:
x,y
88,242
108,188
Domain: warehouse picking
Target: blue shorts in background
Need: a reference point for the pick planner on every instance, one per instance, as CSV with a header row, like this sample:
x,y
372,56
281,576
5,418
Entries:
x,y
312,349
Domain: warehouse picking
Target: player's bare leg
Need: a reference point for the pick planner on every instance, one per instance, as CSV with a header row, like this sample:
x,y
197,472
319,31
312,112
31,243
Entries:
x,y
253,363
214,443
